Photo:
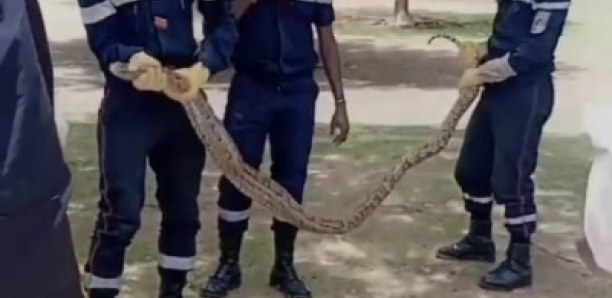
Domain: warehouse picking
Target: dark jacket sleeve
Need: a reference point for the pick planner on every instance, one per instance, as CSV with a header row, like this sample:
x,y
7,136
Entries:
x,y
546,29
102,27
220,34
324,13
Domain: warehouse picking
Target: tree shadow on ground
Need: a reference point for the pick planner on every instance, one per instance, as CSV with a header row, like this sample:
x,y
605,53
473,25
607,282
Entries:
x,y
391,255
365,65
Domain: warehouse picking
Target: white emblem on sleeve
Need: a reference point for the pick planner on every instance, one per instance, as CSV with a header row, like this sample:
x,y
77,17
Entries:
x,y
540,22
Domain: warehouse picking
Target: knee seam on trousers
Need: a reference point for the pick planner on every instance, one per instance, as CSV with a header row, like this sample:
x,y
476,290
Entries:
x,y
104,195
519,185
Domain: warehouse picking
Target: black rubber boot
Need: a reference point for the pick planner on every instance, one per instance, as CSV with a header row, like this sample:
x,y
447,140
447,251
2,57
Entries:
x,y
475,246
227,276
172,283
513,273
285,279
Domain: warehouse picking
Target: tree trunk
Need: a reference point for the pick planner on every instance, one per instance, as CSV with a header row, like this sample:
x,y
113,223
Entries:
x,y
401,12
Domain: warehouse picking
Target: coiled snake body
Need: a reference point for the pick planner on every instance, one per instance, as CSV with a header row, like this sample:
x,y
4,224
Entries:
x,y
273,197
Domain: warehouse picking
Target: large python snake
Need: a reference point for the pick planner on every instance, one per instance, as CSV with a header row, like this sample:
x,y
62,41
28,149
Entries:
x,y
272,196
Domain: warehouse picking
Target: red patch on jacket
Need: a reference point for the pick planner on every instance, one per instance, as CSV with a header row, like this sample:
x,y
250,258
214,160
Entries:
x,y
160,23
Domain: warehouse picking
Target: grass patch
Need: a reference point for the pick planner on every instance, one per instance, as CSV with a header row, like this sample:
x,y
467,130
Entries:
x,y
391,255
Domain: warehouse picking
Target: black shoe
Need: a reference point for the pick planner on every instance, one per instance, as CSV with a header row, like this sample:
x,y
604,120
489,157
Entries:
x,y
172,283
227,276
102,293
513,273
170,290
475,246
285,279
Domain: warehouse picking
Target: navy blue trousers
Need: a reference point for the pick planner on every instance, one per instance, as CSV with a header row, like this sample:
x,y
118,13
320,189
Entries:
x,y
37,254
284,113
133,127
500,151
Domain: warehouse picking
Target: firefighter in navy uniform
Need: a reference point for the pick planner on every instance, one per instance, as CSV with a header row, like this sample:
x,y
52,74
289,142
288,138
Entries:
x,y
138,121
36,253
500,149
273,95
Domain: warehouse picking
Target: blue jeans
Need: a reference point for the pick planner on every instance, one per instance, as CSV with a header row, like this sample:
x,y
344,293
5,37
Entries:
x,y
37,254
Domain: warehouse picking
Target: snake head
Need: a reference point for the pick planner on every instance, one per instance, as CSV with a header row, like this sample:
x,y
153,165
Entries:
x,y
470,52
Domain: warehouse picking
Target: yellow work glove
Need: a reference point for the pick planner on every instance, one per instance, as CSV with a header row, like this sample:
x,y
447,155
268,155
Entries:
x,y
152,77
469,50
471,77
196,76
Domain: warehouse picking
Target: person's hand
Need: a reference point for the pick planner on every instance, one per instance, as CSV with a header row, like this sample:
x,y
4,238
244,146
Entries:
x,y
239,7
195,76
471,52
151,77
471,78
339,126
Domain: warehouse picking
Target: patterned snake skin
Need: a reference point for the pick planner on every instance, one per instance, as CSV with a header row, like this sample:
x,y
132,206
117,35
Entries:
x,y
272,196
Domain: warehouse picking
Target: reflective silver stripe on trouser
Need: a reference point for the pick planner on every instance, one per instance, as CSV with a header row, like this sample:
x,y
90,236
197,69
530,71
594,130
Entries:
x,y
97,13
177,263
233,216
96,282
478,200
521,220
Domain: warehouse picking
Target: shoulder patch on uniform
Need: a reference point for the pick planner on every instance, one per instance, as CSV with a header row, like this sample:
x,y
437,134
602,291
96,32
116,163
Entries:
x,y
540,21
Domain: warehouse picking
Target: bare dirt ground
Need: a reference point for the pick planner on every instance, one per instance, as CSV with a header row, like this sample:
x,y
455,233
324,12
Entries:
x,y
398,87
